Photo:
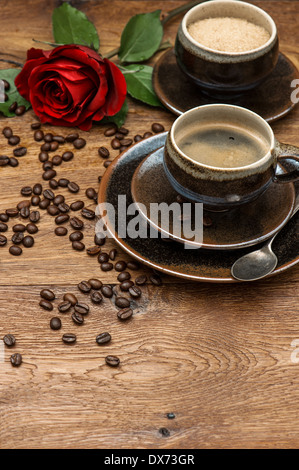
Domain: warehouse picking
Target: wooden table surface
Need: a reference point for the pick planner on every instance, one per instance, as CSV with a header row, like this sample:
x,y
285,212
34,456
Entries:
x,y
217,356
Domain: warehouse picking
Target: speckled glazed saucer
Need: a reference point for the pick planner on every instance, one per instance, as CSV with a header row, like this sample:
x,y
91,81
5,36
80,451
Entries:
x,y
271,99
244,226
171,257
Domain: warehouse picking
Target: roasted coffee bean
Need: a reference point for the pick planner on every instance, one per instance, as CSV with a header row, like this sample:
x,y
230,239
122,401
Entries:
x,y
60,231
47,294
13,212
9,340
69,338
76,223
57,160
13,107
81,308
43,157
119,136
147,134
7,132
28,241
3,227
88,213
78,246
123,131
44,204
53,184
96,284
48,137
100,239
20,110
55,323
17,238
64,307
77,318
135,292
38,135
77,205
59,138
67,156
71,137
31,228
47,166
140,280
63,182
96,297
134,265
37,189
79,143
115,143
62,219
107,163
15,250
91,193
157,127
25,212
34,217
19,228
120,266
126,285
13,162
59,199
14,140
106,267
110,131
76,236
3,240
16,359
125,313
113,254
35,200
22,204
155,279
46,305
63,207
103,152
4,160
121,149
126,142
54,146
138,138
49,174
68,297
4,218
93,250
73,187
48,194
84,287
124,276
103,338
46,147
6,84
103,258
112,361
122,302
35,125
26,191
107,291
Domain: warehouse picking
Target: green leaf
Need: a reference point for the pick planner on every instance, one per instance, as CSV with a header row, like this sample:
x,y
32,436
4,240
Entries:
x,y
13,94
141,37
70,26
119,118
139,84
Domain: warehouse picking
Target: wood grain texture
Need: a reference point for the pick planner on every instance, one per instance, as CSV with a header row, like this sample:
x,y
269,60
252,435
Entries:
x,y
218,356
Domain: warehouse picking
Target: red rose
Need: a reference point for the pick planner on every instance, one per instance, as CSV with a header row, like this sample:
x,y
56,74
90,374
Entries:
x,y
71,86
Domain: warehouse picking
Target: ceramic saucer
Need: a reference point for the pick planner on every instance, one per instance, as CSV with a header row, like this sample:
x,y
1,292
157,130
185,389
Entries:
x,y
171,257
244,226
271,99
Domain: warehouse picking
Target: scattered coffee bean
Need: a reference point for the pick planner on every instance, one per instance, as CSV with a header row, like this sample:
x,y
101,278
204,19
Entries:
x,y
31,228
126,285
59,138
122,302
17,238
82,308
3,227
63,207
57,160
103,258
93,250
47,166
100,239
126,142
20,151
20,110
113,254
88,213
46,305
35,200
76,236
4,218
62,219
48,137
68,297
71,137
64,307
59,199
14,140
135,292
13,162
47,294
13,107
124,276
38,135
53,184
13,212
155,279
125,313
115,144
63,182
107,292
140,280
7,132
34,217
120,266
77,318
69,338
107,163
147,134
54,146
67,156
35,125
103,338
16,359
55,323
76,223
96,297
4,160
79,143
44,204
3,240
96,284
25,212
133,265
60,231
46,147
22,204
19,228
138,138
77,205
91,193
84,287
15,250
106,266
103,152
43,157
9,340
157,127
78,246
73,187
53,210
119,136
49,174
26,191
112,361
110,131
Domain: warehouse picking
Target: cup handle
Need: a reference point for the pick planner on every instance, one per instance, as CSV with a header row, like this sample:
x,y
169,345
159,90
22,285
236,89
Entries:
x,y
292,174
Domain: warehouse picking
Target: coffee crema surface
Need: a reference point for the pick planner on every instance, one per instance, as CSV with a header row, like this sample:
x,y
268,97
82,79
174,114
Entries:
x,y
228,34
222,145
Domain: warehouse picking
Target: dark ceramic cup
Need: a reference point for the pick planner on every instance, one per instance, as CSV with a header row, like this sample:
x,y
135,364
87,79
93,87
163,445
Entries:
x,y
221,74
219,187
